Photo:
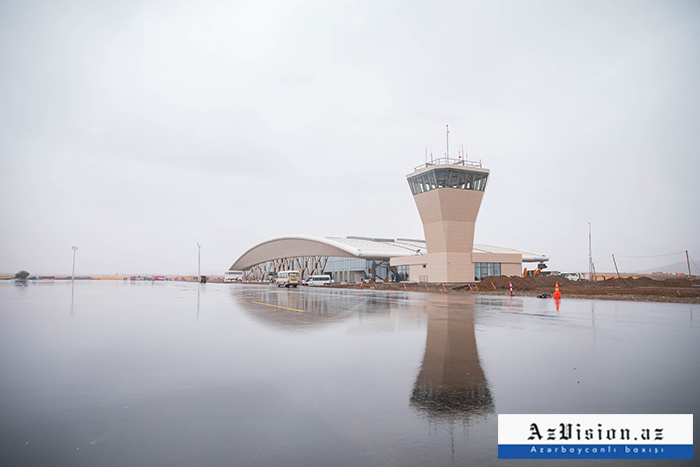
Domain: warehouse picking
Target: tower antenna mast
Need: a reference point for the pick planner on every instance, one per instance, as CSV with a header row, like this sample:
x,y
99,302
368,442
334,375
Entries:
x,y
447,154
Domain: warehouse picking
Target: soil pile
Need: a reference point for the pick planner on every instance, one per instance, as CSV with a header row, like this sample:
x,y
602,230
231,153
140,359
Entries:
x,y
643,288
645,282
525,283
640,289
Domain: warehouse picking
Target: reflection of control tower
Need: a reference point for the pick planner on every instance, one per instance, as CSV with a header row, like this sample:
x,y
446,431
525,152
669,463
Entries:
x,y
451,381
448,195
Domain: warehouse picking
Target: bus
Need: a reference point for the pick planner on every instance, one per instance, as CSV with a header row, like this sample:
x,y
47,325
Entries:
x,y
288,278
233,276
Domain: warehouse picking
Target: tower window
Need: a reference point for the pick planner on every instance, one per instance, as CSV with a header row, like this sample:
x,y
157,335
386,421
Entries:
x,y
448,178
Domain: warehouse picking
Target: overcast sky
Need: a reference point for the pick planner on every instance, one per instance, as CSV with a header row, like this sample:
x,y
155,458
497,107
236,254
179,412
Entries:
x,y
134,130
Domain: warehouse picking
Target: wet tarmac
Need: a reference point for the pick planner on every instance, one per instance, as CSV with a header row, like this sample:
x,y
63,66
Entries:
x,y
175,374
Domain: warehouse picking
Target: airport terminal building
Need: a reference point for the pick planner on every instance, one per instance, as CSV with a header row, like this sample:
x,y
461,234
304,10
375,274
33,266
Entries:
x,y
448,194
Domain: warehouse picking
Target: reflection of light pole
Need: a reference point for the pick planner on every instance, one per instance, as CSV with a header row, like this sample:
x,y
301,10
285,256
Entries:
x,y
72,281
199,256
73,276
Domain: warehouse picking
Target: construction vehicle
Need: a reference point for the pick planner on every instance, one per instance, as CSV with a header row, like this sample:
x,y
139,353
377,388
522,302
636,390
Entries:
x,y
535,272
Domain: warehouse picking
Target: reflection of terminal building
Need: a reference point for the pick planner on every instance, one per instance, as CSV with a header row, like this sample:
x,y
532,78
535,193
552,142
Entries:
x,y
304,309
451,381
448,194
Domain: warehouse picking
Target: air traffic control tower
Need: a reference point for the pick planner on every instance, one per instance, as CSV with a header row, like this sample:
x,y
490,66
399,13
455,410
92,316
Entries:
x,y
448,194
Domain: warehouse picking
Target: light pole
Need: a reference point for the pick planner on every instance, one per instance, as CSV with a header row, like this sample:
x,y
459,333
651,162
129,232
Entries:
x,y
73,275
199,256
591,267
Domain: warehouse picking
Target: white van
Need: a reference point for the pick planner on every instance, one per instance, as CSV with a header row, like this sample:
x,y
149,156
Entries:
x,y
318,280
288,278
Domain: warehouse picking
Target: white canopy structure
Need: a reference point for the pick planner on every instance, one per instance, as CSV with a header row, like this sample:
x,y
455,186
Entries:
x,y
307,245
350,247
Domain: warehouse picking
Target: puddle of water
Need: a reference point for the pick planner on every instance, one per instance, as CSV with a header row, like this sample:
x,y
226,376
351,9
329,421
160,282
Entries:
x,y
226,374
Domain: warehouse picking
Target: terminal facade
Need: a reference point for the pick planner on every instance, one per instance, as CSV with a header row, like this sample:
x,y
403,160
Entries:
x,y
448,194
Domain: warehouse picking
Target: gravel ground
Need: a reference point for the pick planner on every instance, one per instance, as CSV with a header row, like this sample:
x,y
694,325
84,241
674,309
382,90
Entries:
x,y
642,289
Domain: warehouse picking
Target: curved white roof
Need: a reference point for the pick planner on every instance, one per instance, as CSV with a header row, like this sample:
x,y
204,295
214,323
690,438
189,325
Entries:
x,y
527,256
351,247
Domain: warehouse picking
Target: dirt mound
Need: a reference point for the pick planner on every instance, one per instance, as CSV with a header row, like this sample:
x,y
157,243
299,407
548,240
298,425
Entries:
x,y
525,283
625,282
643,282
642,289
677,283
548,282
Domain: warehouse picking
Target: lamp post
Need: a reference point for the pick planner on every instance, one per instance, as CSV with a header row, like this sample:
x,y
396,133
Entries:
x,y
199,256
73,275
590,255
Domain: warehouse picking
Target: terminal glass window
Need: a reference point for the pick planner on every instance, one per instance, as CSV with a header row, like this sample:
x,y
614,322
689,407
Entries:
x,y
484,270
448,178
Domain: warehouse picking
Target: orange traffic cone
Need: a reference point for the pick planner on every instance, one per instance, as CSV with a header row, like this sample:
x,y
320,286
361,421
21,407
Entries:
x,y
557,294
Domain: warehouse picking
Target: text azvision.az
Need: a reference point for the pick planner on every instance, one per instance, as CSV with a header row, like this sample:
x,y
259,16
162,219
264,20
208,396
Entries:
x,y
568,431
